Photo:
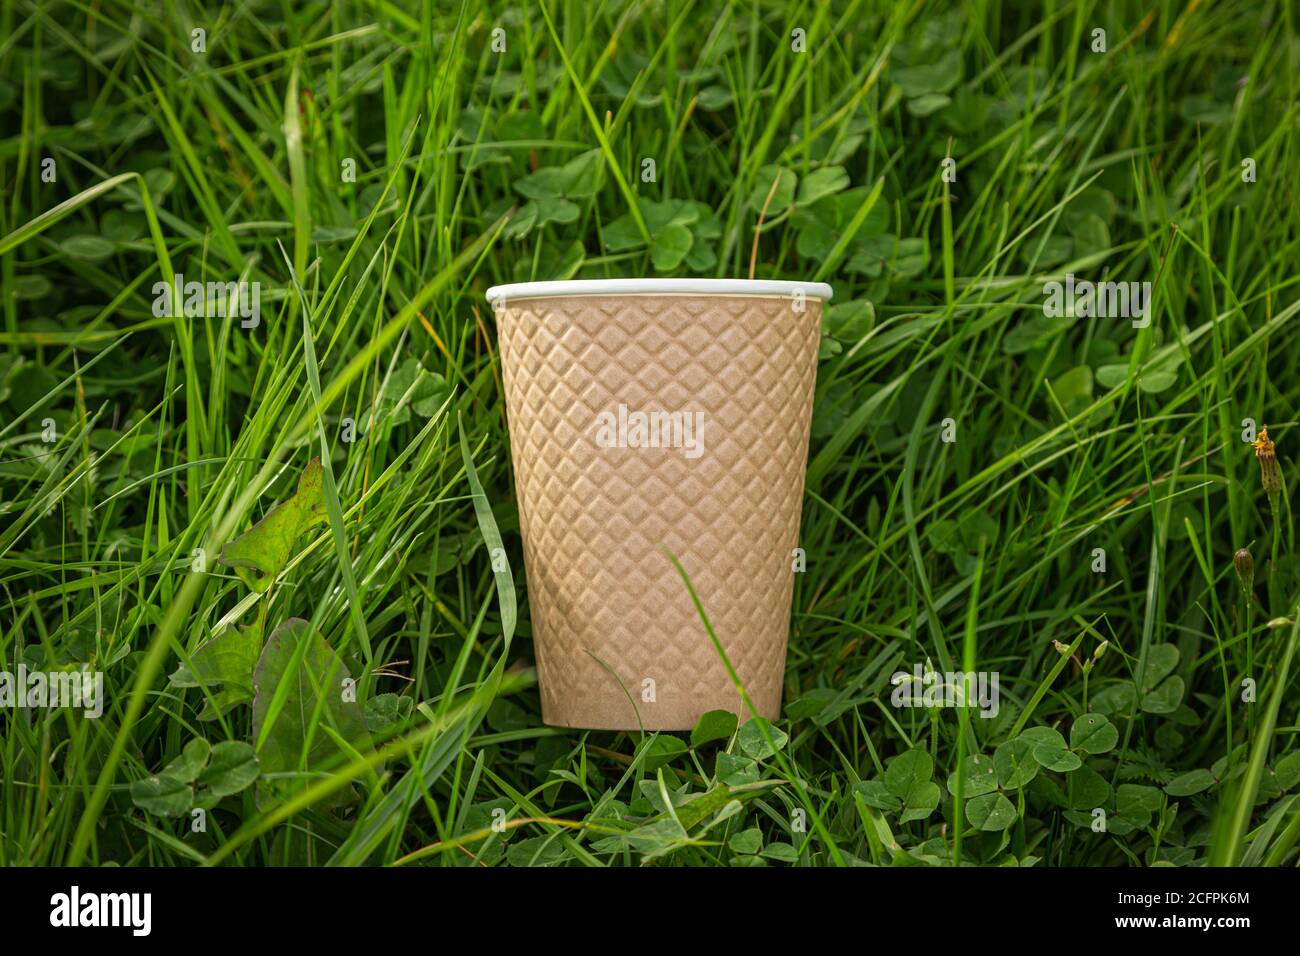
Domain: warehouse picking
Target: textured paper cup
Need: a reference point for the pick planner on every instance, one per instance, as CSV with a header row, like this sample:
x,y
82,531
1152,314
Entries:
x,y
619,642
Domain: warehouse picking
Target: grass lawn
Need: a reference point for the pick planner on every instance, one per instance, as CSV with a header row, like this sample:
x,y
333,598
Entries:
x,y
1008,476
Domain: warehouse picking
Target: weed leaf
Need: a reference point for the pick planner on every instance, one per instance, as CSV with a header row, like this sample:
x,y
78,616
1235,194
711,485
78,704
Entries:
x,y
262,552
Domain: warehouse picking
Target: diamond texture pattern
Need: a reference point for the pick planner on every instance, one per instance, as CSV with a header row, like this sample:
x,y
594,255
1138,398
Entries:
x,y
609,611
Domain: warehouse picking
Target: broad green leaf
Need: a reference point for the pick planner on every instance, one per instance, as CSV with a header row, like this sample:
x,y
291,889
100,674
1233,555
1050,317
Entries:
x,y
1094,734
431,391
820,183
545,183
584,175
1059,759
979,774
1165,698
162,795
875,794
385,710
556,210
92,248
1136,803
747,841
1112,375
850,321
669,246
1287,770
822,224
1086,789
1117,698
1043,735
782,198
193,758
828,348
1037,331
670,216
1015,763
705,223
1231,765
702,257
660,750
622,234
911,256
539,212
670,212
908,770
233,767
548,851
523,222
1074,388
729,810
579,178
907,777
411,387
735,770
1161,661
651,793
781,852
1157,380
225,664
920,803
27,288
714,725
1194,781
309,698
262,552
752,742
990,812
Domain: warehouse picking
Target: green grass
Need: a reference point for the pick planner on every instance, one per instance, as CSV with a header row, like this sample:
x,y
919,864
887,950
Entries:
x,y
173,435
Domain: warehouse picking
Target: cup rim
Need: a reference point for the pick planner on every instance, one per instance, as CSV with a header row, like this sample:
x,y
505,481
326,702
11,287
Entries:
x,y
757,287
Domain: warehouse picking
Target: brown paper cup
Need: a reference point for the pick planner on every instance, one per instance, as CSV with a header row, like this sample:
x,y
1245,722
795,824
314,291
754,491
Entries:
x,y
650,417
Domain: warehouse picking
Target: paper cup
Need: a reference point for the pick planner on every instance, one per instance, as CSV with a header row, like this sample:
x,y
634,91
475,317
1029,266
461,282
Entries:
x,y
648,417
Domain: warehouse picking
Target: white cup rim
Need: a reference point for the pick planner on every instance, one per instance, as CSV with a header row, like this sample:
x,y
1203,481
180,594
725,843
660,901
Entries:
x,y
758,287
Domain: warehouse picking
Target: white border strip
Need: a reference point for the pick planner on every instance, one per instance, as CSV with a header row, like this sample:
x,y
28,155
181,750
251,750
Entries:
x,y
766,287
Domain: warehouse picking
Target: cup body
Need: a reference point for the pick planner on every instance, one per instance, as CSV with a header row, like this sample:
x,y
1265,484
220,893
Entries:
x,y
651,418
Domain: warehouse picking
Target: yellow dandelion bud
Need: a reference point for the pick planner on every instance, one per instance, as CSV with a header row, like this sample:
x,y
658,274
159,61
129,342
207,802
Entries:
x,y
1270,475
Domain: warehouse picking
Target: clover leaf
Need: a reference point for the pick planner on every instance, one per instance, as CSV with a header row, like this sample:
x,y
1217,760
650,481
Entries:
x,y
680,231
1164,690
907,777
782,197
1094,734
551,189
200,777
991,812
